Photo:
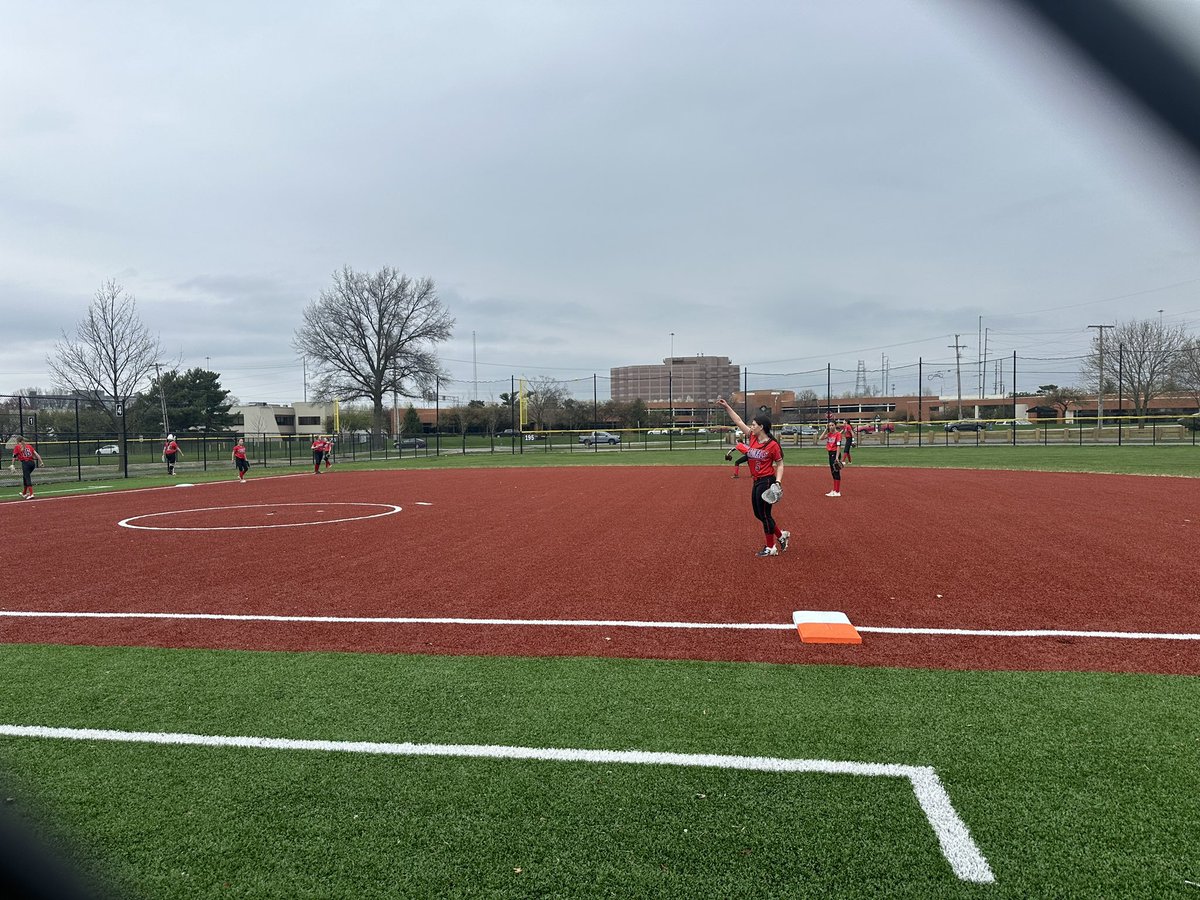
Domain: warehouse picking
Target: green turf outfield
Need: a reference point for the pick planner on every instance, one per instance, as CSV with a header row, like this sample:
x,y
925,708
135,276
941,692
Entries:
x,y
1072,784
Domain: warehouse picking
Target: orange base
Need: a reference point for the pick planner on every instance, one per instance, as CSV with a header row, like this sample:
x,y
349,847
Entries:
x,y
825,627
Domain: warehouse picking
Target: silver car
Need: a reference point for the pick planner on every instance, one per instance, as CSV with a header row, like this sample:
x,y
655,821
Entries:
x,y
599,437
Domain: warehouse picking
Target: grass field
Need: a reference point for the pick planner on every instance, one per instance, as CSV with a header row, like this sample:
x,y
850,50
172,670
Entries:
x,y
1072,784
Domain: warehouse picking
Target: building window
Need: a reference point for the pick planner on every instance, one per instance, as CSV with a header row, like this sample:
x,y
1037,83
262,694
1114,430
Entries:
x,y
286,421
310,420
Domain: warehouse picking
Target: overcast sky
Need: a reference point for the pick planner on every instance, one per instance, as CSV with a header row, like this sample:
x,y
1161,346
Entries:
x,y
788,184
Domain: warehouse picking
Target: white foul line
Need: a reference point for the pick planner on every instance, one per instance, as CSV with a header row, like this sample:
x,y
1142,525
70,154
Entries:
x,y
955,839
587,623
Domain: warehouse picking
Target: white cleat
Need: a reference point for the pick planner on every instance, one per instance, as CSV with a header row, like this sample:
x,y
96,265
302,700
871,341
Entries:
x,y
834,494
783,541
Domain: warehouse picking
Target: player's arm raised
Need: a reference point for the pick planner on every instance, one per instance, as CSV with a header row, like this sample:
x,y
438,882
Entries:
x,y
737,420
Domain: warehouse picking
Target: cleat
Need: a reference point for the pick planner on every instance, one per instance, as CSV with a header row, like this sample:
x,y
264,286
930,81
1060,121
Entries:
x,y
783,541
768,551
833,494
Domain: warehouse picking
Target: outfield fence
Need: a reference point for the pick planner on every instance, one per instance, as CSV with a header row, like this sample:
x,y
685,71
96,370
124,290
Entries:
x,y
97,457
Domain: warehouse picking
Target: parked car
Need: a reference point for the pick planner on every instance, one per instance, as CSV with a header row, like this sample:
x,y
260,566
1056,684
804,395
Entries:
x,y
599,437
508,433
871,427
109,450
1192,422
800,429
967,425
412,443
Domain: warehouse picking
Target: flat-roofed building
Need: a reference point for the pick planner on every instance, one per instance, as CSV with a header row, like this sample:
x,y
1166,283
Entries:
x,y
679,380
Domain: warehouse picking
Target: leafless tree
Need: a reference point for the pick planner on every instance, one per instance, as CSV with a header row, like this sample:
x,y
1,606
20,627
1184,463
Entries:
x,y
112,354
544,398
1188,372
1146,353
370,335
1061,398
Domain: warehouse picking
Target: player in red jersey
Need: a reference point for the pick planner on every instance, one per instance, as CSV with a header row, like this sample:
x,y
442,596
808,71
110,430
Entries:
x,y
764,459
847,441
328,454
30,459
171,452
318,451
834,436
737,463
239,460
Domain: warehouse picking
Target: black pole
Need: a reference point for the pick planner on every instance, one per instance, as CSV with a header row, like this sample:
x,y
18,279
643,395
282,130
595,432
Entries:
x,y
1014,390
78,446
920,397
21,416
828,391
1120,391
124,437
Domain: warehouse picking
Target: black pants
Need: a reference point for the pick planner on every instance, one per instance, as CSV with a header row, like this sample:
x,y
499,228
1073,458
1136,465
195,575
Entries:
x,y
762,509
170,462
834,468
27,467
242,465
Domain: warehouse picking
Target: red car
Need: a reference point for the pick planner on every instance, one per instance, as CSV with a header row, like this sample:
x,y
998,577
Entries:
x,y
871,428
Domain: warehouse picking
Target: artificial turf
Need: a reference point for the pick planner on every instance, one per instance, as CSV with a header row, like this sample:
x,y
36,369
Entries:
x,y
1072,784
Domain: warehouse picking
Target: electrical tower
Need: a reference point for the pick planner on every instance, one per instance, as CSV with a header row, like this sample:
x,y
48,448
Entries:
x,y
860,379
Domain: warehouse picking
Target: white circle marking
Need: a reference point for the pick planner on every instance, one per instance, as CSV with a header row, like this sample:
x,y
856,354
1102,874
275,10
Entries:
x,y
388,510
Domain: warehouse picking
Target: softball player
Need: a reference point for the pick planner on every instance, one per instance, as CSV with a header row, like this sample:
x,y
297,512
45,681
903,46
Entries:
x,y
239,460
833,444
764,459
30,459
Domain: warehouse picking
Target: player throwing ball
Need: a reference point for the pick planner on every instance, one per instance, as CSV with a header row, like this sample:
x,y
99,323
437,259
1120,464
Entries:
x,y
834,439
764,459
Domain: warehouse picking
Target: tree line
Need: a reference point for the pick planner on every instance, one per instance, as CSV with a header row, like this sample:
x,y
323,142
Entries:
x,y
371,338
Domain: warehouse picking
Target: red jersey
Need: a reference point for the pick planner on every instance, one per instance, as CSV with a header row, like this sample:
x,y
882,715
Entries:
x,y
24,452
239,452
833,440
761,458
319,445
170,447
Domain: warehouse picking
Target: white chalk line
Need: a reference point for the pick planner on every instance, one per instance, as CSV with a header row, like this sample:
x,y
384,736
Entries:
x,y
590,623
958,847
389,509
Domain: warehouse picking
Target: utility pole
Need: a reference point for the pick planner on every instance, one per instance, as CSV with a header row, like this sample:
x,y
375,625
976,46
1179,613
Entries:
x,y
958,348
1100,384
162,399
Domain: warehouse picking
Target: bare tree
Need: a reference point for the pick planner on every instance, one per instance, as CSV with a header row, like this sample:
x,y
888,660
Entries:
x,y
1061,398
373,334
112,354
544,398
1145,353
1188,371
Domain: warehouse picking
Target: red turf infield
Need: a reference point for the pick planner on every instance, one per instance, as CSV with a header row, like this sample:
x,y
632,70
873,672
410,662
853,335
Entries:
x,y
1004,550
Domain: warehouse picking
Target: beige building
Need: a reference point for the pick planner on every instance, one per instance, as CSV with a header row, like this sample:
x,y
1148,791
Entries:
x,y
273,419
680,380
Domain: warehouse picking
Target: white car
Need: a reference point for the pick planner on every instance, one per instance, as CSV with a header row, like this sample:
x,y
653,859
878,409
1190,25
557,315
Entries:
x,y
109,450
599,437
